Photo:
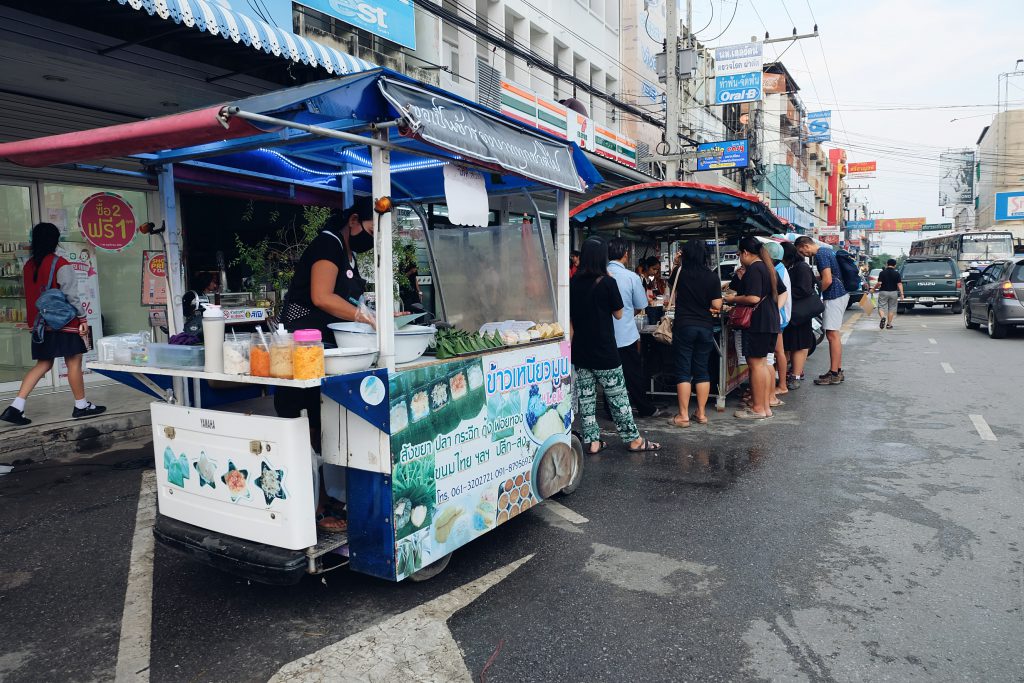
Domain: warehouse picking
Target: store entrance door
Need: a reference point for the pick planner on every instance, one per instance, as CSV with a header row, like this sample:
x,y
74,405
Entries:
x,y
19,211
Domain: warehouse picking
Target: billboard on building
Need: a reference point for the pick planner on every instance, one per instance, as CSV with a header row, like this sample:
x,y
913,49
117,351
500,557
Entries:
x,y
738,73
956,177
393,20
727,154
1009,206
860,225
861,169
773,84
819,126
899,224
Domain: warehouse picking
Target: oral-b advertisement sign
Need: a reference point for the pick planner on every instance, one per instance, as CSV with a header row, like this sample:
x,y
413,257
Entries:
x,y
392,20
738,73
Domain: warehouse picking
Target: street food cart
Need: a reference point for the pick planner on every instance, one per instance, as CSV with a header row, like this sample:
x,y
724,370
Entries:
x,y
678,211
432,452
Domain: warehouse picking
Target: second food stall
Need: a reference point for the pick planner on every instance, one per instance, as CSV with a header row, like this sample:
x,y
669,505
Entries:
x,y
678,211
432,450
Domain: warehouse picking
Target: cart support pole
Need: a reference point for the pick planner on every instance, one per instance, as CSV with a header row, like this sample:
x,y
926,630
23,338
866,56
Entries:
x,y
562,256
172,248
723,356
385,276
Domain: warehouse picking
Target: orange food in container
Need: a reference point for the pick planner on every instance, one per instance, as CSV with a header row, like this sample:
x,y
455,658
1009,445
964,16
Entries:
x,y
308,355
259,360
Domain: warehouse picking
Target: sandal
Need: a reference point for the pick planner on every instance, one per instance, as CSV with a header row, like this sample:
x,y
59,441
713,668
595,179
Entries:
x,y
700,420
326,521
601,445
645,446
748,414
777,403
676,423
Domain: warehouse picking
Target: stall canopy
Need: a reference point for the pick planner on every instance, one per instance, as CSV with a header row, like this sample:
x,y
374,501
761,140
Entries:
x,y
315,136
678,210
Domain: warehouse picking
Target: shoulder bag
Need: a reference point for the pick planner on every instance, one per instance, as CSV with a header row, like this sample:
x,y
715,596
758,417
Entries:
x,y
741,315
53,309
663,332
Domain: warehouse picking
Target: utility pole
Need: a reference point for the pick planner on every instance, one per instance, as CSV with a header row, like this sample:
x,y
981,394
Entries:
x,y
672,87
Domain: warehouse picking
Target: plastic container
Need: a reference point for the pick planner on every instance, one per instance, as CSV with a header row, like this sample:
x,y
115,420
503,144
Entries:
x,y
259,356
176,356
308,355
281,348
213,337
236,355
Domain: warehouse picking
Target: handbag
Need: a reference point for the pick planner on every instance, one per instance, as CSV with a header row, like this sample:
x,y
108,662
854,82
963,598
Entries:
x,y
54,310
806,309
741,316
663,331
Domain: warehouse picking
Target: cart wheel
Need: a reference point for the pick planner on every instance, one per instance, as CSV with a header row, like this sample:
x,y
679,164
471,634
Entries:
x,y
431,570
577,474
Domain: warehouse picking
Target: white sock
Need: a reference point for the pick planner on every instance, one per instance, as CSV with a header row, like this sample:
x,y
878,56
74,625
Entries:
x,y
18,404
81,403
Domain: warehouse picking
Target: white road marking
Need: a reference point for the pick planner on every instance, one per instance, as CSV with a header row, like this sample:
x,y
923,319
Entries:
x,y
984,431
923,325
411,646
932,341
137,617
846,337
947,368
564,512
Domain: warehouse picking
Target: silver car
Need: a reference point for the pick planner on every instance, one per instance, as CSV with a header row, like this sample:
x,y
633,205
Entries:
x,y
997,301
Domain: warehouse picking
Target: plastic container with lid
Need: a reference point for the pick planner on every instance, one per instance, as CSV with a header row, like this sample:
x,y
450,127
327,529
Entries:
x,y
281,347
308,355
259,356
236,355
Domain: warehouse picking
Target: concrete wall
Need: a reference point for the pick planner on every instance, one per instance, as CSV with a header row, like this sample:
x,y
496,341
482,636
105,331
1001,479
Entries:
x,y
1000,159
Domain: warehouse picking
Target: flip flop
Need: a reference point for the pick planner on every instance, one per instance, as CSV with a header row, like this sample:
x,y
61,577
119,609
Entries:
x,y
681,425
601,445
328,522
700,421
646,446
778,402
748,414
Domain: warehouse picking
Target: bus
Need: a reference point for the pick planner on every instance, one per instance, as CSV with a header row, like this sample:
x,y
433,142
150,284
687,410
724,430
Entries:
x,y
968,249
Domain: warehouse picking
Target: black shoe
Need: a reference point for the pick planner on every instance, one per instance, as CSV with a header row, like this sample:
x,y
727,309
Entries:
x,y
90,410
15,417
881,324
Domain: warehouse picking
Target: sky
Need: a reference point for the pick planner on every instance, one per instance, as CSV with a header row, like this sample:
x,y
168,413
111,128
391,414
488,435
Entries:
x,y
884,68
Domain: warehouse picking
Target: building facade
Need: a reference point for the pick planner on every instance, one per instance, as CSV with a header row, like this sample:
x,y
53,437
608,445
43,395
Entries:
x,y
999,167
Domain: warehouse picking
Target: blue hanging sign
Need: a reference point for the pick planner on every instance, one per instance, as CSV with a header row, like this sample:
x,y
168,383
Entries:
x,y
716,155
392,20
819,126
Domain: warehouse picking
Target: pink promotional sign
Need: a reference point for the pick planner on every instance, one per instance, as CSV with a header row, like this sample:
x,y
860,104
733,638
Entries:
x,y
107,221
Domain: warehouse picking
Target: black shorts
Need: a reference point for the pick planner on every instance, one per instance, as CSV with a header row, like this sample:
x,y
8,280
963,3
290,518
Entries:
x,y
758,344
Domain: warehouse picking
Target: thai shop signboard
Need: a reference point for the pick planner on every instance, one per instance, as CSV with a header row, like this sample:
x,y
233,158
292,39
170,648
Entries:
x,y
551,117
457,128
861,169
899,224
738,73
935,227
475,443
727,154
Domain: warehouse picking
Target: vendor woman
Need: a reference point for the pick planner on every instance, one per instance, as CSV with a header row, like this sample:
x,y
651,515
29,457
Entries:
x,y
325,283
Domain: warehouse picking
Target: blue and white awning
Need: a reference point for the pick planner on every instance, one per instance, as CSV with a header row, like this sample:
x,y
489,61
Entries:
x,y
213,18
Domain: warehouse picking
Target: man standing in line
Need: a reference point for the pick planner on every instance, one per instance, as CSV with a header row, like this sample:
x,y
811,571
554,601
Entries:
x,y
627,337
890,291
836,297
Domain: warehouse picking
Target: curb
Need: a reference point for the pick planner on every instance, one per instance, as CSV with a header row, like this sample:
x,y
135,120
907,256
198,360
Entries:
x,y
63,439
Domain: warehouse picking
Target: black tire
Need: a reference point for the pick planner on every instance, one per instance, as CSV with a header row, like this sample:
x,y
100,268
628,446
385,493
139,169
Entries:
x,y
968,322
957,308
995,330
577,475
431,570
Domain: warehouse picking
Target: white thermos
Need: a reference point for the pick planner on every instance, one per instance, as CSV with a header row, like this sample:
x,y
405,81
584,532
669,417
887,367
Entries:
x,y
213,337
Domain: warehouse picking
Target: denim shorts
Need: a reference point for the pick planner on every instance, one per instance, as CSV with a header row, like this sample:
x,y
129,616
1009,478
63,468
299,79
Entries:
x,y
692,345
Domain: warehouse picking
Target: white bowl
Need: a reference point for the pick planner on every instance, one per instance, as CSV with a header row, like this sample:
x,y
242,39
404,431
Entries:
x,y
345,361
410,342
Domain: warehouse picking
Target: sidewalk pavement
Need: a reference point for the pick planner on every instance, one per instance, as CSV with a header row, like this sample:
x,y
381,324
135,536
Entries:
x,y
54,434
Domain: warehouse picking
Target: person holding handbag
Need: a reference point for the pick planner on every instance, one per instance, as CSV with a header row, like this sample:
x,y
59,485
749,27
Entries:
x,y
758,285
698,299
594,300
627,337
798,337
51,279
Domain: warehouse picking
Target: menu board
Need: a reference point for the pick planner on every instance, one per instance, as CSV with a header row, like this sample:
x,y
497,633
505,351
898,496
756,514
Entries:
x,y
473,444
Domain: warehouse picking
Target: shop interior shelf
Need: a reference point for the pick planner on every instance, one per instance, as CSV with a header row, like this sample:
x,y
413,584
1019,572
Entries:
x,y
200,374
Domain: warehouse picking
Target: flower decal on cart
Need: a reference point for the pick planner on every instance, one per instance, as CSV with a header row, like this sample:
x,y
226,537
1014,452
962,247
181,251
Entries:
x,y
177,467
271,483
207,470
237,482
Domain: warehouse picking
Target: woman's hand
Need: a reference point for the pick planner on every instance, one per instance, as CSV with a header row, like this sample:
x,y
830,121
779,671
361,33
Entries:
x,y
362,316
83,329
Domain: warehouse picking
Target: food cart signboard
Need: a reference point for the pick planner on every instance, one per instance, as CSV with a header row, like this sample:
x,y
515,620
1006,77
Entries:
x,y
453,126
154,278
473,444
107,221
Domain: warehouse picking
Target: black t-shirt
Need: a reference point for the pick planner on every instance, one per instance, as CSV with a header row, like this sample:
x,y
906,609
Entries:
x,y
802,279
591,304
756,282
697,288
889,279
349,285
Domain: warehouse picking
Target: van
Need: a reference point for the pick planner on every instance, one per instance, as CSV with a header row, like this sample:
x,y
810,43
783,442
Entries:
x,y
930,281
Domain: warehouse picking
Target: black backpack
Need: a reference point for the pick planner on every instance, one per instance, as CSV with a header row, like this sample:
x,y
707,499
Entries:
x,y
849,273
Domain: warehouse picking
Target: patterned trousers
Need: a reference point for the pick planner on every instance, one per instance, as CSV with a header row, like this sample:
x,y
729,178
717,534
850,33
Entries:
x,y
614,385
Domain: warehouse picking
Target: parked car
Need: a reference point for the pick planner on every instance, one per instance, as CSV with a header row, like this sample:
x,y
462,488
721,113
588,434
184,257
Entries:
x,y
930,281
873,278
997,301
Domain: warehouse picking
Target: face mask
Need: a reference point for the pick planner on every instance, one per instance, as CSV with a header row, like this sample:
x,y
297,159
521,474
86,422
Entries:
x,y
361,242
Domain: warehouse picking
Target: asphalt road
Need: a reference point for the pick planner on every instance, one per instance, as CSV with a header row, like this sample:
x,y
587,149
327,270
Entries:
x,y
868,532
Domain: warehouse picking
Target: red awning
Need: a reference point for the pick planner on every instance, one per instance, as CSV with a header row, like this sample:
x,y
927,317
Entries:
x,y
152,135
